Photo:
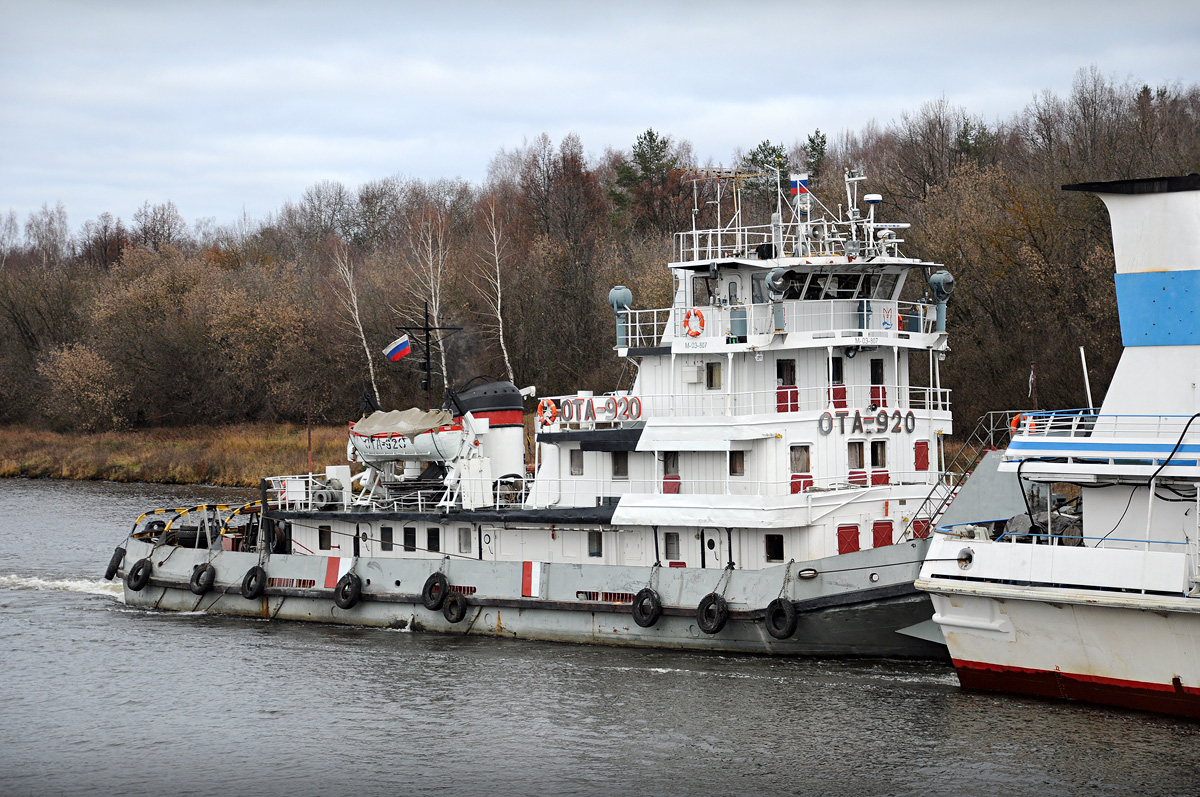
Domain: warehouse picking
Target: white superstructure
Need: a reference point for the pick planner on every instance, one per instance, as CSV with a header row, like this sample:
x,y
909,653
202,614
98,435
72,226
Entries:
x,y
1096,598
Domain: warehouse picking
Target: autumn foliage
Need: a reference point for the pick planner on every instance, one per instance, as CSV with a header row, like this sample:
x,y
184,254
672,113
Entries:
x,y
157,324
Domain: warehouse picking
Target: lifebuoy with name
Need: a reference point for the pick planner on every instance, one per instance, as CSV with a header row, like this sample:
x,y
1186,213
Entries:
x,y
547,411
712,613
434,591
255,583
781,618
647,608
114,563
202,578
139,575
687,322
348,591
455,607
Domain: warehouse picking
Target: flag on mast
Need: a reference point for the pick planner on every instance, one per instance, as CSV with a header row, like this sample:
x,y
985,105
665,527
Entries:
x,y
799,183
1032,379
397,348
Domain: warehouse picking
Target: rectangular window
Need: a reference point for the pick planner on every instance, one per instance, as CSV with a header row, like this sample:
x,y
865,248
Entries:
x,y
854,455
758,288
886,286
620,465
836,371
385,539
876,372
672,545
433,537
324,538
703,291
712,373
670,463
595,543
737,463
801,459
576,462
878,453
774,547
464,539
785,372
410,538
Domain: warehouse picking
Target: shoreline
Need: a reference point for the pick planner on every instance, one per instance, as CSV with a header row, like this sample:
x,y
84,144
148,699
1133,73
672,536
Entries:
x,y
222,456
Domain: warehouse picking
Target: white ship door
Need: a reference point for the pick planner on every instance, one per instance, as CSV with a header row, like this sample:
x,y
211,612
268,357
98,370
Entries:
x,y
712,545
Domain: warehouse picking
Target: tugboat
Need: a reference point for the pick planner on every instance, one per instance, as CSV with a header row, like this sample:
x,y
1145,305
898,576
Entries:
x,y
1093,592
756,489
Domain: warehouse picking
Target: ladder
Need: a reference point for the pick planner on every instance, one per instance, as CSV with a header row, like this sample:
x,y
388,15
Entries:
x,y
991,431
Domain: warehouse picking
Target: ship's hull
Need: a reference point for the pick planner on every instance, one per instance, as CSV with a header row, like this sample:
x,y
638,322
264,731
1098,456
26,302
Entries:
x,y
837,615
1099,645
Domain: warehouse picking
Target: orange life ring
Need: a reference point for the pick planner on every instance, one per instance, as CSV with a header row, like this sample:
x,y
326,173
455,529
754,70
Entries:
x,y
687,322
1015,423
547,411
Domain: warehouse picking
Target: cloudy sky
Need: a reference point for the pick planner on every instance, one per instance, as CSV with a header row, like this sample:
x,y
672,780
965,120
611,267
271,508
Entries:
x,y
227,108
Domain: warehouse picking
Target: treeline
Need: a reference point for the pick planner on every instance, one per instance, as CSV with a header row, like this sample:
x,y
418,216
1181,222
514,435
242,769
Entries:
x,y
158,322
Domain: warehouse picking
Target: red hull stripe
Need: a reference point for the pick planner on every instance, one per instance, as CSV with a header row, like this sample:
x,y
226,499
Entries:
x,y
501,418
331,572
1171,698
527,579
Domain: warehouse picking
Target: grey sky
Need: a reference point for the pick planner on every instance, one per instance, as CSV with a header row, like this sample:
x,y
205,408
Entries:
x,y
222,107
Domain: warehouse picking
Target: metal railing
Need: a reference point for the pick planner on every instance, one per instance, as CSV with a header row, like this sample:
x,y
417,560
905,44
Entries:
x,y
865,318
619,410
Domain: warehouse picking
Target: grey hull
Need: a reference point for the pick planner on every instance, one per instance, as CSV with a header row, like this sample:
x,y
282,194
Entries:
x,y
849,605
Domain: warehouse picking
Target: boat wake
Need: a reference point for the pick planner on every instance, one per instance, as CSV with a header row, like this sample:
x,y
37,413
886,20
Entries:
x,y
91,586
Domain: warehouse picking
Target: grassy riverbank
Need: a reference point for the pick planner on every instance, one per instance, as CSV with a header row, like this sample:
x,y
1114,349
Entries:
x,y
234,456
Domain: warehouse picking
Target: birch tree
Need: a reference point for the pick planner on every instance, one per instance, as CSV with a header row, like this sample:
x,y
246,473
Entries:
x,y
348,296
490,279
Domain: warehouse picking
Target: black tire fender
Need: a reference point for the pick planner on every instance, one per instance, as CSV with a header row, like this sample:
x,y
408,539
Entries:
x,y
203,578
647,608
455,607
255,583
139,575
348,591
114,564
712,613
434,591
781,618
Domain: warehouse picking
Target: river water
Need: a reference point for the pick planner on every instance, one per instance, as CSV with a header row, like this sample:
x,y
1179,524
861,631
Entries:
x,y
97,697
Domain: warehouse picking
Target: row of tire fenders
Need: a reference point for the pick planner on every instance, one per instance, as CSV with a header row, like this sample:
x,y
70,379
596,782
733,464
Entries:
x,y
711,614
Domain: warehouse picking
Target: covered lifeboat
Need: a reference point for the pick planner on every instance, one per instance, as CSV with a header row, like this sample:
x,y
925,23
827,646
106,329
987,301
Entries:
x,y
406,435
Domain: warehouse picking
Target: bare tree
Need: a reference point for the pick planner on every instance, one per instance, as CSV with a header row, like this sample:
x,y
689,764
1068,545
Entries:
x,y
490,272
48,235
348,296
156,226
8,236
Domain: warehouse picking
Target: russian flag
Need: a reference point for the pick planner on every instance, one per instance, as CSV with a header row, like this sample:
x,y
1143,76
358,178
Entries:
x,y
799,183
397,348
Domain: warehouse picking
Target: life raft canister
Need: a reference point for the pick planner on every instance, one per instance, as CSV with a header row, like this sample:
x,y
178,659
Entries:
x,y
547,411
687,322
